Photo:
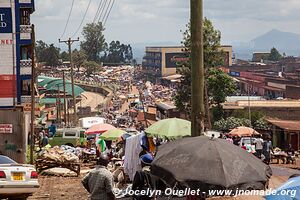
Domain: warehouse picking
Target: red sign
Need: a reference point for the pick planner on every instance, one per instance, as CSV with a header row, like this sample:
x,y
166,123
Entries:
x,y
6,128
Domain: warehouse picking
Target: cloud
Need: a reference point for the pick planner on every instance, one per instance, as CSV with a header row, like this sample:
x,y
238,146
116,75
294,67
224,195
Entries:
x,y
161,20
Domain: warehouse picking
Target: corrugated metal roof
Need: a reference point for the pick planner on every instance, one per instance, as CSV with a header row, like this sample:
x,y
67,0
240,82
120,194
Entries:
x,y
289,125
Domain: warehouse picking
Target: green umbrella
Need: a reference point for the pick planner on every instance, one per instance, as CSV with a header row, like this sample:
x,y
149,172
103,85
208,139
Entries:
x,y
112,134
170,128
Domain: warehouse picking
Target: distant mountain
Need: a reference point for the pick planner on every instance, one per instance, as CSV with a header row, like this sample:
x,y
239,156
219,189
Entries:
x,y
285,42
139,48
278,39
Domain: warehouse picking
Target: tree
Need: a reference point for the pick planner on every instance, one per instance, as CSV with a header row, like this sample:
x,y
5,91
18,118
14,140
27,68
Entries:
x,y
79,58
49,54
274,55
94,42
117,53
220,85
91,67
213,57
230,123
40,48
52,56
64,56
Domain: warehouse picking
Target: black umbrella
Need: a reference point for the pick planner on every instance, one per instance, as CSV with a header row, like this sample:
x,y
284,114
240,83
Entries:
x,y
205,163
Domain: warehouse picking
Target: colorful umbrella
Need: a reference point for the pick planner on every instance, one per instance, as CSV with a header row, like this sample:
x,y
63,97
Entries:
x,y
99,128
170,128
112,134
243,131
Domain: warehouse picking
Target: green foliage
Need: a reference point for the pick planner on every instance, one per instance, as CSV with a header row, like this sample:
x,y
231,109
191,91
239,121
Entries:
x,y
255,115
219,84
117,53
91,67
261,124
79,58
274,55
64,56
94,42
49,54
230,123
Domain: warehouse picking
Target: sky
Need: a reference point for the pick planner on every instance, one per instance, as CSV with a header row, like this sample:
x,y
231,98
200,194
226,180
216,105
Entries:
x,y
153,21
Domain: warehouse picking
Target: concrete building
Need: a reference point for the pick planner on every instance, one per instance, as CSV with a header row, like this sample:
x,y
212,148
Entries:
x,y
160,62
259,56
15,51
15,76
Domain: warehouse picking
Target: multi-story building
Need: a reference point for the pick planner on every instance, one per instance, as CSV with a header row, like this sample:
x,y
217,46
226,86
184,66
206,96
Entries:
x,y
15,76
15,51
160,62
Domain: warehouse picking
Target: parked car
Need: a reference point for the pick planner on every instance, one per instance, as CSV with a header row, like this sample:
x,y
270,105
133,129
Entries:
x,y
68,136
17,181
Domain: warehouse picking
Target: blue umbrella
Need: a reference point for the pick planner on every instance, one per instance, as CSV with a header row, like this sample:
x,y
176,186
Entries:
x,y
288,191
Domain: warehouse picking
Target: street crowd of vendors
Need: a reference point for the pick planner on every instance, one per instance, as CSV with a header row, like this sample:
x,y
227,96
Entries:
x,y
135,160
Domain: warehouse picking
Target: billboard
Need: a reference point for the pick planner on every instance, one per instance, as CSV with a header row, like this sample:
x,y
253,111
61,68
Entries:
x,y
174,59
7,54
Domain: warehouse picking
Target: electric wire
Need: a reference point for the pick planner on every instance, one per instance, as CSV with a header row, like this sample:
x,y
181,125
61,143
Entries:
x,y
68,19
80,25
112,5
98,11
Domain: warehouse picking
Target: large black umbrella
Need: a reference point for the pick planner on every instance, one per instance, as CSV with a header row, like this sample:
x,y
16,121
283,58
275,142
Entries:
x,y
205,163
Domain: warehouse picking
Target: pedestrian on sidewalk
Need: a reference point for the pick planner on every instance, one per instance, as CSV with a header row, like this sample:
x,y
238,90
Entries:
x,y
99,182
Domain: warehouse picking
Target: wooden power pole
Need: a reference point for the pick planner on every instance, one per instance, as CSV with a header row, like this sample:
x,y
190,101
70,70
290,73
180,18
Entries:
x,y
32,94
69,42
65,102
197,70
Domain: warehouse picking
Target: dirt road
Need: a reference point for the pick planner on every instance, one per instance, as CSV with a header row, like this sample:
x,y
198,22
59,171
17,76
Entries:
x,y
67,188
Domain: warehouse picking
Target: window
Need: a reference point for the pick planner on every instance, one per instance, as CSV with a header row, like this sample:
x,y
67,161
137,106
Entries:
x,y
25,53
25,17
26,87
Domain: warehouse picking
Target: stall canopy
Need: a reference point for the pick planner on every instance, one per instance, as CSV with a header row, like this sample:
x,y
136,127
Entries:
x,y
99,128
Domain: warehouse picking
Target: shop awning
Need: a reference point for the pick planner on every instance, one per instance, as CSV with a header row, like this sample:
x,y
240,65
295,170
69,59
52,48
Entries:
x,y
288,125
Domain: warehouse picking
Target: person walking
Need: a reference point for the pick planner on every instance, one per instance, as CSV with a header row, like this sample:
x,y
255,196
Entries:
x,y
267,149
258,146
99,182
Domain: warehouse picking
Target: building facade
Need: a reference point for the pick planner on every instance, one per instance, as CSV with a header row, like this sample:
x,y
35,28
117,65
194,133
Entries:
x,y
15,76
160,62
15,52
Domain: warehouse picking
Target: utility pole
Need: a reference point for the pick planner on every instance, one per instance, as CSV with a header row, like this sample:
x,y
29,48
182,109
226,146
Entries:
x,y
69,42
32,94
197,71
65,103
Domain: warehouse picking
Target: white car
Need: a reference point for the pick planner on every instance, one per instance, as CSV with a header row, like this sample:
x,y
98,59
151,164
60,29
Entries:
x,y
17,181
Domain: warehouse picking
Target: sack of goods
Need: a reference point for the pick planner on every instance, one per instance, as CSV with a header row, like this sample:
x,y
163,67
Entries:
x,y
58,155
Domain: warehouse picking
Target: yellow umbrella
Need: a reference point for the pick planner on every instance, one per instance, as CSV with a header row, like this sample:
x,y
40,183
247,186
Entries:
x,y
112,134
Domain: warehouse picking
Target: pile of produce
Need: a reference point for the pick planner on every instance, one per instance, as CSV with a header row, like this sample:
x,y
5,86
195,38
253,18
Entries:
x,y
58,155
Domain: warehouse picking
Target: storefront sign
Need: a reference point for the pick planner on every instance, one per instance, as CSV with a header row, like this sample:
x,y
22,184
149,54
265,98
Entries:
x,y
175,59
5,20
6,128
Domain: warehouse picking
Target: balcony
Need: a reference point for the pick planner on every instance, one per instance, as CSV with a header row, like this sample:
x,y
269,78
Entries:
x,y
26,99
25,1
25,67
25,32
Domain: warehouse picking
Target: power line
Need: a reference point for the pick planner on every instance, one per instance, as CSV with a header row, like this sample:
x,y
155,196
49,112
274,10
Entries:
x,y
102,9
112,5
68,19
98,11
86,11
106,11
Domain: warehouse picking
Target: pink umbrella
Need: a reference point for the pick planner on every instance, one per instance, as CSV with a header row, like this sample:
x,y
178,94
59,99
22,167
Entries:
x,y
99,128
